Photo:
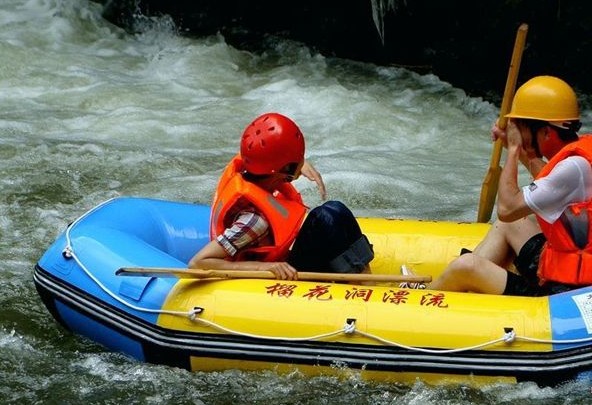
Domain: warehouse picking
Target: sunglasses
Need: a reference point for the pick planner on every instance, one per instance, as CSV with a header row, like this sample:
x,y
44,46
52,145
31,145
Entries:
x,y
290,172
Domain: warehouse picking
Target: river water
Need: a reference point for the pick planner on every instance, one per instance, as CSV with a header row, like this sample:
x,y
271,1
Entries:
x,y
89,112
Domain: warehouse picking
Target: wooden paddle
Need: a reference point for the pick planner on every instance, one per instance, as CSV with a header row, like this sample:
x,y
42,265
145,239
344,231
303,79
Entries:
x,y
302,275
491,181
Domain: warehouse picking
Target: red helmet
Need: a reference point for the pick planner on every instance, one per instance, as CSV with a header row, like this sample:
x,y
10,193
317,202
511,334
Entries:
x,y
271,142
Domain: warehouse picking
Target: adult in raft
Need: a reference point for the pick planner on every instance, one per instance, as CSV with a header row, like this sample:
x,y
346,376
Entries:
x,y
259,221
552,249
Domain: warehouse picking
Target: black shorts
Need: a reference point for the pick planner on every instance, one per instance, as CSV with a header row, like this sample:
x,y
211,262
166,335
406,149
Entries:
x,y
526,283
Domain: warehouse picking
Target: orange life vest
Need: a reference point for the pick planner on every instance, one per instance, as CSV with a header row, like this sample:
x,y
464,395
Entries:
x,y
567,254
283,210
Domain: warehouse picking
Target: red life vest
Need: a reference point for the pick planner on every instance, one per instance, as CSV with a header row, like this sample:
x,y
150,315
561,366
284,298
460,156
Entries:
x,y
567,255
283,210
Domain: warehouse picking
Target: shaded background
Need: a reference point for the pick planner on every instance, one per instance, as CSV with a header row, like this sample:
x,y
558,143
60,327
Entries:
x,y
465,42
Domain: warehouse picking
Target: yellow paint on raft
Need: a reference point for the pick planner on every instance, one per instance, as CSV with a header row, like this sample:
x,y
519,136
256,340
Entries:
x,y
421,318
425,246
278,309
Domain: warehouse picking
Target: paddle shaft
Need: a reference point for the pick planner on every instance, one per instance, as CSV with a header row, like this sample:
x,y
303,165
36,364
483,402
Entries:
x,y
302,275
491,181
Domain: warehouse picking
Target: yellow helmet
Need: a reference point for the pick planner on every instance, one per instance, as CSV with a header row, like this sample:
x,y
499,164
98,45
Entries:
x,y
545,98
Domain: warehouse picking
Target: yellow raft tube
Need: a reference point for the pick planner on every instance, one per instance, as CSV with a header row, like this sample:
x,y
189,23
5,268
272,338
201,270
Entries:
x,y
380,331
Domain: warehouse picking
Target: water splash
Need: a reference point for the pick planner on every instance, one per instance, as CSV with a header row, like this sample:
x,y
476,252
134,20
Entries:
x,y
379,10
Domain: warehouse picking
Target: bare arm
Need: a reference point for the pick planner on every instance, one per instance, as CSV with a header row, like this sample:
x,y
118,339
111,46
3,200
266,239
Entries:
x,y
312,174
511,205
533,164
527,154
213,256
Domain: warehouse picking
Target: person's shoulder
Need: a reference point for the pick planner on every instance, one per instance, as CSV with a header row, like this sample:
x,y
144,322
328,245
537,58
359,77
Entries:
x,y
577,160
243,204
245,209
576,164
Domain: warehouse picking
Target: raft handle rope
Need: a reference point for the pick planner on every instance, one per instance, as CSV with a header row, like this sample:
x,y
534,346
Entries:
x,y
68,253
349,328
508,337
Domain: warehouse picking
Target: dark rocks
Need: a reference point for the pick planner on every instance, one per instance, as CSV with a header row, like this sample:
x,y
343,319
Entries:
x,y
465,42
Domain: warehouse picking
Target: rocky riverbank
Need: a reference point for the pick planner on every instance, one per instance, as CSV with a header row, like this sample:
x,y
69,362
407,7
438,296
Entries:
x,y
467,43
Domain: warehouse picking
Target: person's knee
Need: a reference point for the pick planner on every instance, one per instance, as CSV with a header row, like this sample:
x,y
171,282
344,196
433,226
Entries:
x,y
332,211
500,228
331,240
464,265
462,274
335,205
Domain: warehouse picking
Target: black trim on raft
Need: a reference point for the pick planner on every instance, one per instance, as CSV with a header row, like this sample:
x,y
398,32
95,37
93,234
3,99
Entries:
x,y
53,289
161,346
49,301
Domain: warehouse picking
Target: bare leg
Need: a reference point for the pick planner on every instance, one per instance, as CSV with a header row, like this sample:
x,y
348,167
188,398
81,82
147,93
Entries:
x,y
471,272
505,239
495,247
520,231
484,270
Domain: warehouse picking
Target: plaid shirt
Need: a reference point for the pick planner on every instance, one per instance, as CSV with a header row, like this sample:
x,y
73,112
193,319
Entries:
x,y
248,229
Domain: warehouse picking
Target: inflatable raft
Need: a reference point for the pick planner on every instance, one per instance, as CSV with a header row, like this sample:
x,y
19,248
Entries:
x,y
380,331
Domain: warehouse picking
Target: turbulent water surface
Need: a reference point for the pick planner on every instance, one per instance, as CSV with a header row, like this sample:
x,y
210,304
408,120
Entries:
x,y
89,112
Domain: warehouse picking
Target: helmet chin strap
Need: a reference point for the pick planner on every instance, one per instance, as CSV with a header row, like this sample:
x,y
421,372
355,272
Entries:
x,y
572,125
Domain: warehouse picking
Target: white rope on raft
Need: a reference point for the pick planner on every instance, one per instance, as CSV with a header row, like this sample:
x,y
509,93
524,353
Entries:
x,y
508,337
348,329
69,253
292,339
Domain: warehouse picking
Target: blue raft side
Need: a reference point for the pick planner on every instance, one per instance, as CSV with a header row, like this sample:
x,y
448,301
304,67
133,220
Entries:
x,y
129,232
100,333
567,319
